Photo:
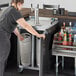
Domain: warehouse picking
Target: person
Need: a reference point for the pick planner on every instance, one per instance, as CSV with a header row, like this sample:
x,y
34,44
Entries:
x,y
8,24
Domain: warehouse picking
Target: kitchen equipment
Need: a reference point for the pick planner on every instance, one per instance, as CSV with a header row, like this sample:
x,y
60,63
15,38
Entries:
x,y
41,49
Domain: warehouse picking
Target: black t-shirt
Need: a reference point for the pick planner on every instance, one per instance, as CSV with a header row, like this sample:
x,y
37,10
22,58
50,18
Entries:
x,y
8,19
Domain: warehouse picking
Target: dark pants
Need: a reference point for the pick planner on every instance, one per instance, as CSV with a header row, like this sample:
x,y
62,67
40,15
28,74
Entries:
x,y
4,50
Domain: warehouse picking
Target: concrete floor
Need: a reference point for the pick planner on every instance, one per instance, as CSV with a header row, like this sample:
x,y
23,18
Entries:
x,y
12,71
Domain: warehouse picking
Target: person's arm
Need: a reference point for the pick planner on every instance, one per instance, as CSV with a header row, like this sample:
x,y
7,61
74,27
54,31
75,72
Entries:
x,y
29,28
17,33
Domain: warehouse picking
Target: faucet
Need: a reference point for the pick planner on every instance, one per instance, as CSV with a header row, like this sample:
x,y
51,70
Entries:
x,y
37,15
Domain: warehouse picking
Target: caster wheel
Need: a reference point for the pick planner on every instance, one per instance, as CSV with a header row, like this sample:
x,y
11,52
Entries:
x,y
20,70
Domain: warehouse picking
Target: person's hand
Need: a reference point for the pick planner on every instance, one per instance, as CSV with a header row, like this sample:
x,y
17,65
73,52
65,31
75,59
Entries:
x,y
41,36
21,37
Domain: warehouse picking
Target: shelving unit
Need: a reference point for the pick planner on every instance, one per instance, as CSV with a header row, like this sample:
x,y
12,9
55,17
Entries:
x,y
58,49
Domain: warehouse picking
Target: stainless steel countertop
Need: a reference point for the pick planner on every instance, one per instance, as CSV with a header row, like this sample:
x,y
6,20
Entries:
x,y
44,23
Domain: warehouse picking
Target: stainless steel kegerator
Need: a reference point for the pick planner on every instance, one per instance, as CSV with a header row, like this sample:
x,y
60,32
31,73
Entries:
x,y
34,53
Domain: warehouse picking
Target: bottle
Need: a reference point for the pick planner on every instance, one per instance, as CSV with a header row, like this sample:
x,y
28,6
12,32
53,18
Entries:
x,y
55,37
65,42
60,38
62,32
74,42
65,38
70,42
70,27
64,27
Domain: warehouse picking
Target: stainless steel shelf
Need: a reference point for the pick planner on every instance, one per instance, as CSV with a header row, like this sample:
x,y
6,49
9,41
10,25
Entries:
x,y
63,51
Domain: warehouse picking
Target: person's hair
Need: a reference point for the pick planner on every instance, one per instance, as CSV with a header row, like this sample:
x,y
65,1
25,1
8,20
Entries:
x,y
16,1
